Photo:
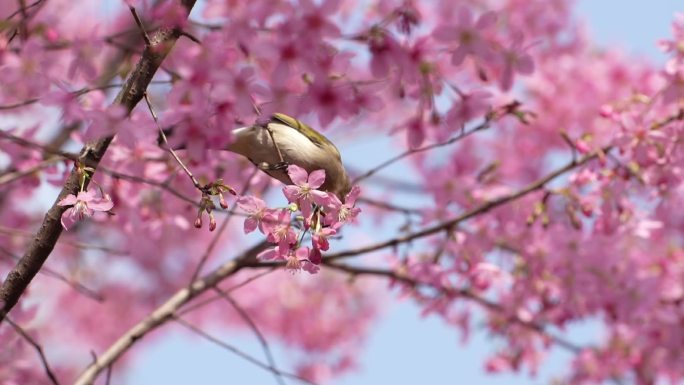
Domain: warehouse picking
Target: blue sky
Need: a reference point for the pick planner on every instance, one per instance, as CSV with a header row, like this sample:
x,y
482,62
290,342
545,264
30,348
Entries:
x,y
405,348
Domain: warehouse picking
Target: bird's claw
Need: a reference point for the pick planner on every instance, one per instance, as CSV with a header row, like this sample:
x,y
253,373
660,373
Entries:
x,y
280,166
273,167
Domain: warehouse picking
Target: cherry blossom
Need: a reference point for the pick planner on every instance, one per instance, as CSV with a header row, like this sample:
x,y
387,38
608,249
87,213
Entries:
x,y
258,213
83,205
303,192
344,212
469,34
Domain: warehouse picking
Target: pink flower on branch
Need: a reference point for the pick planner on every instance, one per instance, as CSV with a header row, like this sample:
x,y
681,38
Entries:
x,y
470,106
319,239
514,60
258,213
339,212
279,229
469,35
304,192
295,258
83,205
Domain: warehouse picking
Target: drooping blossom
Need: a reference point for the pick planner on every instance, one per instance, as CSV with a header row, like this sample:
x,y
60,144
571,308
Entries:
x,y
304,191
83,205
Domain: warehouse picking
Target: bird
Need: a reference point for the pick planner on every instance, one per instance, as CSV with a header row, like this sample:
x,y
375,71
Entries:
x,y
282,141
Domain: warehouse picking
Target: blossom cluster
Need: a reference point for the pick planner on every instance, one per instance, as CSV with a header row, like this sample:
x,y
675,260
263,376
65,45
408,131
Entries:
x,y
322,216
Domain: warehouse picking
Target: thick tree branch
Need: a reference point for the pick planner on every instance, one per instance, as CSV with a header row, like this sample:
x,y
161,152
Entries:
x,y
131,93
166,312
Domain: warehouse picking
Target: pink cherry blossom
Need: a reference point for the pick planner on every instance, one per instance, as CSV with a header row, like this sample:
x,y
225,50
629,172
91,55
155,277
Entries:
x,y
319,239
343,212
279,229
304,192
469,35
295,258
515,60
83,205
385,50
469,106
415,132
258,213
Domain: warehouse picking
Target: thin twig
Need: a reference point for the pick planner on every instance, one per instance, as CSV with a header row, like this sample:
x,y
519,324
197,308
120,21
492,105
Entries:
x,y
108,375
413,151
23,9
140,25
196,305
237,351
79,245
388,206
80,92
393,184
37,347
139,179
255,329
23,24
168,147
75,157
12,176
79,287
224,226
46,149
193,38
275,144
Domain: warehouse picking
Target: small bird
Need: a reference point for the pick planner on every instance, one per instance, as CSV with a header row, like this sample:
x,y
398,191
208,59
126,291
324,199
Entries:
x,y
283,141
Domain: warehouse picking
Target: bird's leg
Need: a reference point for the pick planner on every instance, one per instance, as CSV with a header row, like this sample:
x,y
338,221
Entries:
x,y
273,167
282,165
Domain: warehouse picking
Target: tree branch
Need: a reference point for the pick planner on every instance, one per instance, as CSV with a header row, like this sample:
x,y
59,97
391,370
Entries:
x,y
483,208
131,93
464,293
166,312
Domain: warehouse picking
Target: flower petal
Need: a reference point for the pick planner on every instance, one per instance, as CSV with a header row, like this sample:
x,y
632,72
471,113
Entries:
x,y
315,256
321,198
353,194
68,200
249,203
297,174
310,267
268,254
100,205
316,178
291,193
250,225
68,218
